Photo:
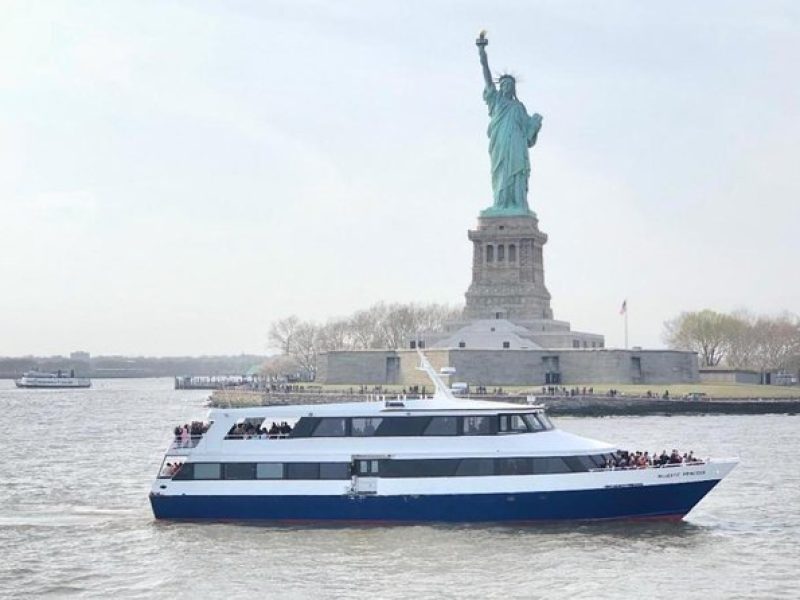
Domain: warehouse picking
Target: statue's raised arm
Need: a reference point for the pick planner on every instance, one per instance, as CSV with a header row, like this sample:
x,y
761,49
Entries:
x,y
481,43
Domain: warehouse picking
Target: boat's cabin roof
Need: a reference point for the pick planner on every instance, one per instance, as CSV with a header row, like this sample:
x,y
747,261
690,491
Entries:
x,y
398,407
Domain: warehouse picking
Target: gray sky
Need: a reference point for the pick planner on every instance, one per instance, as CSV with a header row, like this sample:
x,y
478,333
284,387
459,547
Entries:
x,y
176,175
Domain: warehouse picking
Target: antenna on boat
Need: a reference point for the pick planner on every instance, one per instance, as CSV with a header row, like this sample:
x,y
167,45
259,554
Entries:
x,y
441,390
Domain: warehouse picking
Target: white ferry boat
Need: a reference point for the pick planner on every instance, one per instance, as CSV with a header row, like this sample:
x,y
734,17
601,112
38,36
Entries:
x,y
35,379
439,459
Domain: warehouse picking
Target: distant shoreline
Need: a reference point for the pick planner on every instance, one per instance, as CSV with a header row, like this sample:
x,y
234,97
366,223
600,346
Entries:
x,y
577,406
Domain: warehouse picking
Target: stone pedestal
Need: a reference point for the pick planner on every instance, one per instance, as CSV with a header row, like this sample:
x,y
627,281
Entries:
x,y
508,270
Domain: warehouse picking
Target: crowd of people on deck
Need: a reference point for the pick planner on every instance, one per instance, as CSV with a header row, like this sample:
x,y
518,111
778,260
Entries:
x,y
190,431
248,431
624,459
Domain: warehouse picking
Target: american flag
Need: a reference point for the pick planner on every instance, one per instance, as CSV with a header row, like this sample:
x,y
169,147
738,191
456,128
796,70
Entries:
x,y
624,308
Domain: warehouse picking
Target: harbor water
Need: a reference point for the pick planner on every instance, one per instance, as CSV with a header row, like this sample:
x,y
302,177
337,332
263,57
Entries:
x,y
75,519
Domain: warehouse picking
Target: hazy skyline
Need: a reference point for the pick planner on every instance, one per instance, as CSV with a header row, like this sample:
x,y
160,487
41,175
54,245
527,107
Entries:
x,y
176,175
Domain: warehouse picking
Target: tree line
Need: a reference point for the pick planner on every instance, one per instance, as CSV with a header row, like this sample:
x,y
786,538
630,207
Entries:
x,y
381,325
740,340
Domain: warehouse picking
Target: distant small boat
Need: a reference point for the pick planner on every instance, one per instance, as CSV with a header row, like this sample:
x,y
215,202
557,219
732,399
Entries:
x,y
60,379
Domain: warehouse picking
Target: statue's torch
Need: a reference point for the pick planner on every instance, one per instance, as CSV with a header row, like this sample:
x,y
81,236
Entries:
x,y
482,42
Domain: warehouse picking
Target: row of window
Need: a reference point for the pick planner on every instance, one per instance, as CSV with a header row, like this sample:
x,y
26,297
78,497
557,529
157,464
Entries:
x,y
577,344
436,467
420,426
501,253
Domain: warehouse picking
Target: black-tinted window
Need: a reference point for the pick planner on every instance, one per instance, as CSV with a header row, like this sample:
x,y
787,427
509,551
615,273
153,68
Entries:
x,y
442,426
334,471
302,470
333,427
186,471
576,463
239,470
475,467
365,426
478,425
598,461
419,468
304,427
401,426
513,466
554,464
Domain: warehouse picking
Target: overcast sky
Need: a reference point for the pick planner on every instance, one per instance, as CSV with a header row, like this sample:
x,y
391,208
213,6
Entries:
x,y
176,175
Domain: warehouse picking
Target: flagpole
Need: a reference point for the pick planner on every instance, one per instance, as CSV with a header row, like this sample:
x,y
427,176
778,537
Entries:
x,y
626,327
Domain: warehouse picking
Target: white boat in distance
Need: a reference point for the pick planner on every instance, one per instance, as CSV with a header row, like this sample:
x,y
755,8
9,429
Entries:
x,y
35,379
440,459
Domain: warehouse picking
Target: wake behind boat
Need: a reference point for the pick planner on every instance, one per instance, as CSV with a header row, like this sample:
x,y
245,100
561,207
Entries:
x,y
35,379
404,461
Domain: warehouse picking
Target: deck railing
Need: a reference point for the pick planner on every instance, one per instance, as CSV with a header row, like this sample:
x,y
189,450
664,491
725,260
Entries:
x,y
183,442
256,436
636,467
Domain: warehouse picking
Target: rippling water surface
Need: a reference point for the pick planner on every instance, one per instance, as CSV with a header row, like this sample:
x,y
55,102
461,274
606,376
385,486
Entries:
x,y
75,520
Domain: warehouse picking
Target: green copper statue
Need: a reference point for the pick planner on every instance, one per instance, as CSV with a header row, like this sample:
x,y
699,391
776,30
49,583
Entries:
x,y
511,132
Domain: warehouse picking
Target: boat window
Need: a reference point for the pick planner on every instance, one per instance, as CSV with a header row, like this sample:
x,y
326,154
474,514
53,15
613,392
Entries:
x,y
475,467
207,470
171,466
269,471
545,420
478,425
599,461
334,470
302,470
444,467
368,467
402,426
364,426
185,472
549,465
587,462
576,463
304,427
513,466
513,424
442,426
239,471
331,427
533,422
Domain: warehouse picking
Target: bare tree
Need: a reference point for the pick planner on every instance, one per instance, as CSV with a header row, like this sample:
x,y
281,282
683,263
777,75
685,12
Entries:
x,y
281,333
279,365
706,332
776,340
379,326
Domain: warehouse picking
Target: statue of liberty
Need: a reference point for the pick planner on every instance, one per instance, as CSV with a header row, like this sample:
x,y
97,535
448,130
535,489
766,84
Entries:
x,y
511,132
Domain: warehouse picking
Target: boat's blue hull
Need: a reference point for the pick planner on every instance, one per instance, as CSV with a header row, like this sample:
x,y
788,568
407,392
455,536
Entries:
x,y
656,501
